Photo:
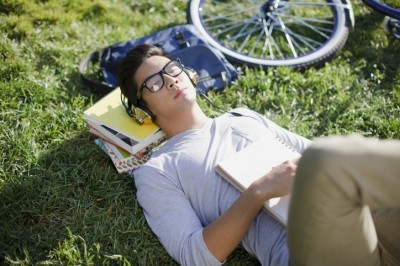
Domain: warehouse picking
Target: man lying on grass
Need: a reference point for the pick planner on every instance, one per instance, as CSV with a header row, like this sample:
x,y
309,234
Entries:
x,y
200,218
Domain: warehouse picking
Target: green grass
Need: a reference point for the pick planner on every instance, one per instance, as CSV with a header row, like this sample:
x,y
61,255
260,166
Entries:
x,y
62,202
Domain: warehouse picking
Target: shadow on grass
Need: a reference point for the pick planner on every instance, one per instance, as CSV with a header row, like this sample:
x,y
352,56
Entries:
x,y
74,186
72,207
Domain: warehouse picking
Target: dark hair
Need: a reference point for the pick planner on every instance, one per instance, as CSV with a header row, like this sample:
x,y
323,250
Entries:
x,y
130,64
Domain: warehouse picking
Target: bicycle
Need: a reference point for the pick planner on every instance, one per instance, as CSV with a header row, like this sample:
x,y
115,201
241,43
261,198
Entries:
x,y
263,33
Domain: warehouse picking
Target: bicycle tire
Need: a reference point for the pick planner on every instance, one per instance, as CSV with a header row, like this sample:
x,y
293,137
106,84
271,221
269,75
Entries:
x,y
223,24
383,8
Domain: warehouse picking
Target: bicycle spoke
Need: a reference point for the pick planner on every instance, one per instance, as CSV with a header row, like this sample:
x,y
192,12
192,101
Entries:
x,y
224,16
246,40
306,41
269,42
324,32
289,41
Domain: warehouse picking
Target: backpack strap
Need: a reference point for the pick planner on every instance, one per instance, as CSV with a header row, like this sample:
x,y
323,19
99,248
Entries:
x,y
97,87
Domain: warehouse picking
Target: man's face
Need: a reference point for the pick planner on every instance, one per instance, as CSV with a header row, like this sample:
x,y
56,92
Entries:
x,y
176,94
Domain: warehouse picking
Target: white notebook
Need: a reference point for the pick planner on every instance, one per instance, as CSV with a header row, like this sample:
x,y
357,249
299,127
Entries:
x,y
251,163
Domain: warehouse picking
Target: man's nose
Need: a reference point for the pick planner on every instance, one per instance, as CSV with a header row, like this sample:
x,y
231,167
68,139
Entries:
x,y
170,81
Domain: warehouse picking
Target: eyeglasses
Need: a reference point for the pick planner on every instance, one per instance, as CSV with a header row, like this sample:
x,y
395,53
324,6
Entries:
x,y
156,81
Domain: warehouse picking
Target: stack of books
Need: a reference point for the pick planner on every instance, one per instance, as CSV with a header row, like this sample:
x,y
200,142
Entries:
x,y
127,143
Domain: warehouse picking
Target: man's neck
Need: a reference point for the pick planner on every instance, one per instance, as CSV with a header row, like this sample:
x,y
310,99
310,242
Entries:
x,y
192,119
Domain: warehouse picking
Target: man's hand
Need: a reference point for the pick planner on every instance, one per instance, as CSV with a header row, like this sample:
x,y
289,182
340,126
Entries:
x,y
277,182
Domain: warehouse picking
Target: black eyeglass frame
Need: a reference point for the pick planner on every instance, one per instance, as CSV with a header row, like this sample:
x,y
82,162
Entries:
x,y
160,73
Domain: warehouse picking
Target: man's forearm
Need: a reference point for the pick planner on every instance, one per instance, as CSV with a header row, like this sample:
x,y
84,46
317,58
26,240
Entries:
x,y
224,234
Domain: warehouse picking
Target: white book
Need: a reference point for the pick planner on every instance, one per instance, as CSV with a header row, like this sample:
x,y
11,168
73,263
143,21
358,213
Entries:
x,y
254,161
123,141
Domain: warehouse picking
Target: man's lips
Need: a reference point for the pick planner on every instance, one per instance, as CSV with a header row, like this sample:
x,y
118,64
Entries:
x,y
179,92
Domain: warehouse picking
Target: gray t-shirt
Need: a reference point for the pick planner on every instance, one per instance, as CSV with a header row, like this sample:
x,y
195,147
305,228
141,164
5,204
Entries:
x,y
181,193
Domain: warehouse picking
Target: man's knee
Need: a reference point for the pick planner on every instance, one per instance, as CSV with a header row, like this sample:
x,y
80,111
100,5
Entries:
x,y
331,150
328,154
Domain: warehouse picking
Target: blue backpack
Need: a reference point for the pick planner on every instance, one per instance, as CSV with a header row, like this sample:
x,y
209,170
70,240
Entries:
x,y
183,41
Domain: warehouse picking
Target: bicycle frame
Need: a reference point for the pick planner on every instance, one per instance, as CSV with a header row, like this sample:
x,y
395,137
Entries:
x,y
383,9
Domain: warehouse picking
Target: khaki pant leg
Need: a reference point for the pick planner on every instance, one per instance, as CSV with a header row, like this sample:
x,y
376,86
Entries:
x,y
387,226
337,182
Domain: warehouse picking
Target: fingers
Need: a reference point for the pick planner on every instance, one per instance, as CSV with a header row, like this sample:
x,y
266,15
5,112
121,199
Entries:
x,y
289,166
278,181
296,161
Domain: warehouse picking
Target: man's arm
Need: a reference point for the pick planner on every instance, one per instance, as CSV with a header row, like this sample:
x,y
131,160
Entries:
x,y
224,234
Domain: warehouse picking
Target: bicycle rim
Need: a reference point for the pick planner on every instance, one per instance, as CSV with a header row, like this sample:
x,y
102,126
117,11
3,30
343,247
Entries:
x,y
273,33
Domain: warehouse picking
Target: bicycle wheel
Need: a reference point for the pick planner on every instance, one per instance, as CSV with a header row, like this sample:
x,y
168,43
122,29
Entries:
x,y
383,8
274,32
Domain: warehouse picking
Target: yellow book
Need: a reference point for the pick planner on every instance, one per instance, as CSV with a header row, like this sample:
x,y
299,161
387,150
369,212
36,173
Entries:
x,y
254,161
109,117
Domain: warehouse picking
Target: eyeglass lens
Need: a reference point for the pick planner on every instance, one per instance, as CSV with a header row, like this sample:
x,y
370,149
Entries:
x,y
156,81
